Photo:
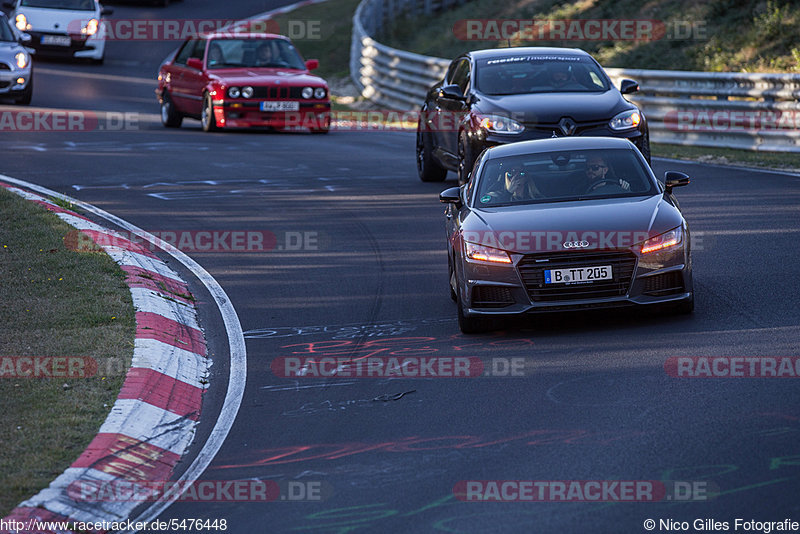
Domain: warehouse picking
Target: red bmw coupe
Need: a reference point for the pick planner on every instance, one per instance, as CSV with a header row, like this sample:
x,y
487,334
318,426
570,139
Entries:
x,y
241,80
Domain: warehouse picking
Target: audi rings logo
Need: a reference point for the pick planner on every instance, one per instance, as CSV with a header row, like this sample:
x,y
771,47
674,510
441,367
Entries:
x,y
576,244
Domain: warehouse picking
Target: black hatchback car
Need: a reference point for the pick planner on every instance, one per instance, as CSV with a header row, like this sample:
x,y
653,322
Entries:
x,y
499,96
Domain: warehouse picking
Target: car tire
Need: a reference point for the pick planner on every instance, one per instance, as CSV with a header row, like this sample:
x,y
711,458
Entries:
x,y
27,95
465,160
645,149
207,119
452,282
470,325
685,307
170,118
427,169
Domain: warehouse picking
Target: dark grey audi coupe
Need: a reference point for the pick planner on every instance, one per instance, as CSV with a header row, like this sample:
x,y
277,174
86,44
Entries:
x,y
565,224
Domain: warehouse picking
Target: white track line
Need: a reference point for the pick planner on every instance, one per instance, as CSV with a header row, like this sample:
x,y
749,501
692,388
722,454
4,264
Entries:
x,y
233,328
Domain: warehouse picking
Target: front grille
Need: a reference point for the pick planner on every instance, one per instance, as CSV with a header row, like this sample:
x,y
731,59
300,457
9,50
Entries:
x,y
4,66
491,297
278,92
549,128
663,284
622,265
4,85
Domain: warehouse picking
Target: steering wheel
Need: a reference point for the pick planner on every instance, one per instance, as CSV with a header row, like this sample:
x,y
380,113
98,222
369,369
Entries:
x,y
594,185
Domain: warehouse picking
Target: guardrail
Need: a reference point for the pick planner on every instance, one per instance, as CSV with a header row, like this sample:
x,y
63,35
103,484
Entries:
x,y
715,109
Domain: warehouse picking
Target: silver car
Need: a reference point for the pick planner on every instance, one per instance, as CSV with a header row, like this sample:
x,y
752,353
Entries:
x,y
16,69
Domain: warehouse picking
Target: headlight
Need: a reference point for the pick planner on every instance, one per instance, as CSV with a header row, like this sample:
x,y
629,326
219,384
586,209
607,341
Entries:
x,y
307,92
22,60
247,92
234,92
91,27
22,22
626,120
664,241
498,124
319,93
481,253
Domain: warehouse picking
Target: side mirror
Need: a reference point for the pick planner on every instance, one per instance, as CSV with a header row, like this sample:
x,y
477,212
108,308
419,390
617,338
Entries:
x,y
451,196
312,64
675,179
25,38
627,86
453,92
106,11
194,63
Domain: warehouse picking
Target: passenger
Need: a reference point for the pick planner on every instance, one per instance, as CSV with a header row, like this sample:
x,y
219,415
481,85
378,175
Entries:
x,y
515,186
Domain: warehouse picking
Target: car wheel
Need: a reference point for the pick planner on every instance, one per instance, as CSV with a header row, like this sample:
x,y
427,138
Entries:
x,y
469,325
645,148
170,118
452,280
427,169
685,307
25,99
465,160
207,115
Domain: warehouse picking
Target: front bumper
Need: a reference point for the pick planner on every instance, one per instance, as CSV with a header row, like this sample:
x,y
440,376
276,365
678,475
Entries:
x,y
313,116
9,87
79,46
518,288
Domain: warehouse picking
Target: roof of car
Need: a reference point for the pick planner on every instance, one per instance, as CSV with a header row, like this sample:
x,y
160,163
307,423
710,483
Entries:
x,y
527,50
557,143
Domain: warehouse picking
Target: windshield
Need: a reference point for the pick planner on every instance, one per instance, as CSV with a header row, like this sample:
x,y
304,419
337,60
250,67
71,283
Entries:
x,y
5,30
254,53
74,5
539,74
563,176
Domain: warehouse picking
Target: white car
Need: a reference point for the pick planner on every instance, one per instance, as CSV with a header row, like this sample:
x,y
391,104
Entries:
x,y
62,28
16,69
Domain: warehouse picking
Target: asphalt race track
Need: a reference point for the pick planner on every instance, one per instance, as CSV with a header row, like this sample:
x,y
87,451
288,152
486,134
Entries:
x,y
359,267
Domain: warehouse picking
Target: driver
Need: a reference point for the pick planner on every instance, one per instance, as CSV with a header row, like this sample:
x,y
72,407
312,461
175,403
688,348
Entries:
x,y
264,55
596,176
517,185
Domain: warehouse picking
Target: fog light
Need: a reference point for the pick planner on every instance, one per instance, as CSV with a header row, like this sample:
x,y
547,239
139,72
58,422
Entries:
x,y
20,81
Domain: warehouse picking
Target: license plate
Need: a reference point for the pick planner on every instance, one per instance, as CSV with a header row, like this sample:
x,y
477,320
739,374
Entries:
x,y
280,105
56,40
577,274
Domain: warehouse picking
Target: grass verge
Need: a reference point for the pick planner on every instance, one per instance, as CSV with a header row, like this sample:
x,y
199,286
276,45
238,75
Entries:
x,y
322,31
53,302
782,161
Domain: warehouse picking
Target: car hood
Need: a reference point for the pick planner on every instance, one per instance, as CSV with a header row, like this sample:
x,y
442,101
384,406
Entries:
x,y
551,107
257,76
56,20
604,223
